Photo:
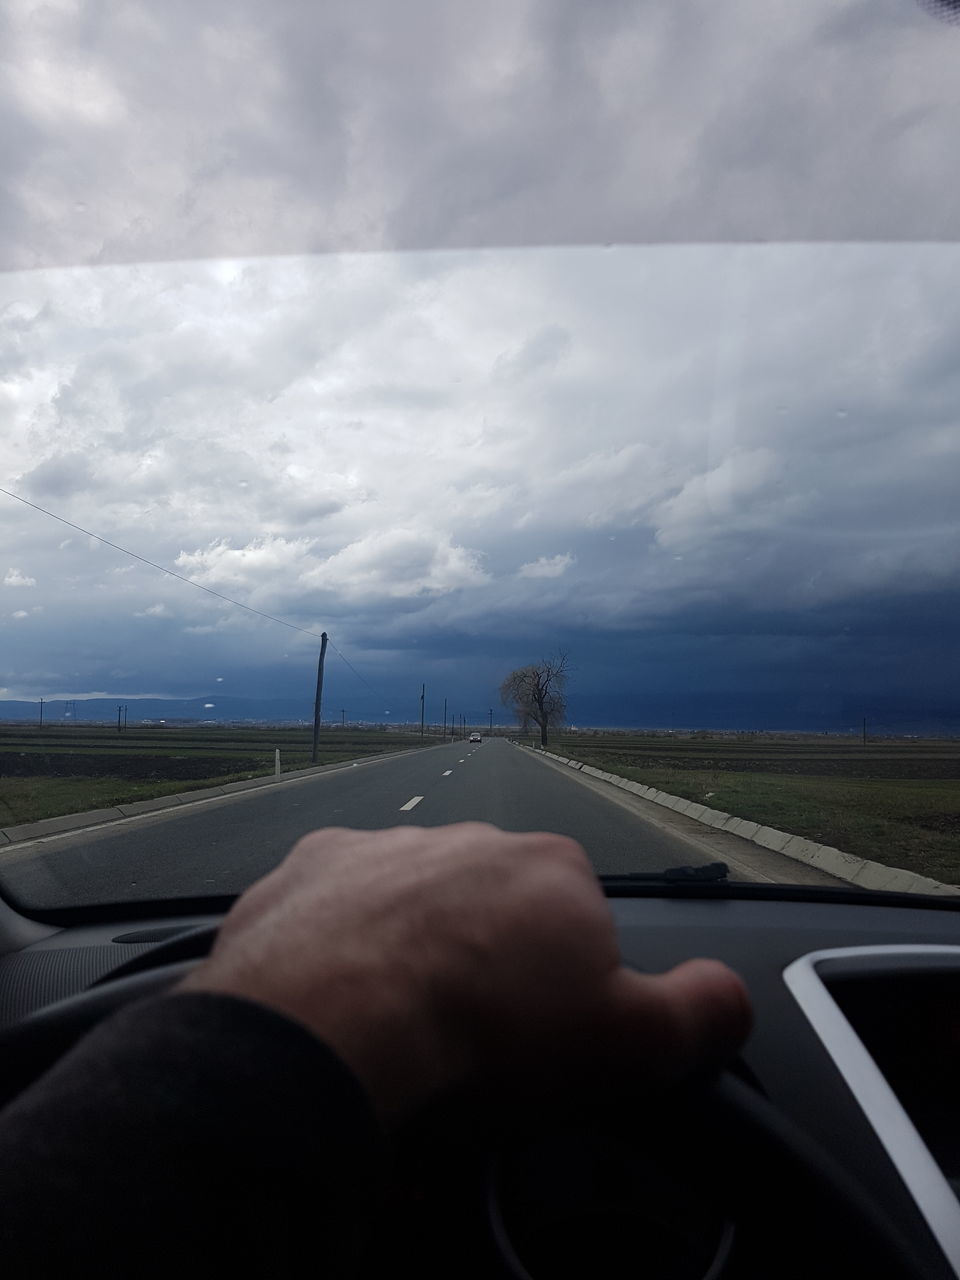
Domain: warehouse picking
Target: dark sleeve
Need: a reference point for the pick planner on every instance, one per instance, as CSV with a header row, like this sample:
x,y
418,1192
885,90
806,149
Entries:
x,y
190,1134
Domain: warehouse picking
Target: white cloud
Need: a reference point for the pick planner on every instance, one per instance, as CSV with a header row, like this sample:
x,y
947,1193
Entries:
x,y
14,578
391,562
398,563
546,567
153,611
224,567
20,613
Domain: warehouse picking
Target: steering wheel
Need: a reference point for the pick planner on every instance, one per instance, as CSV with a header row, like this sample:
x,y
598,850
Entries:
x,y
796,1211
32,1045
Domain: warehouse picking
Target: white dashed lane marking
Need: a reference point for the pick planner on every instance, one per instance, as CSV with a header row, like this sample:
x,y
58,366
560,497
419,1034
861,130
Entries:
x,y
411,804
459,762
447,773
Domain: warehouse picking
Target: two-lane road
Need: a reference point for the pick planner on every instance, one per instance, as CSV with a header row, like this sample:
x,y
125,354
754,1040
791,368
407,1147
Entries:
x,y
219,846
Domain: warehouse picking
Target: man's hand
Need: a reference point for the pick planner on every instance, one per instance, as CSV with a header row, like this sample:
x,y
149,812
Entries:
x,y
437,958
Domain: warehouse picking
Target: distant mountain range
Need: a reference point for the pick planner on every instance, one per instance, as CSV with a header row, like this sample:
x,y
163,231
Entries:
x,y
215,708
774,713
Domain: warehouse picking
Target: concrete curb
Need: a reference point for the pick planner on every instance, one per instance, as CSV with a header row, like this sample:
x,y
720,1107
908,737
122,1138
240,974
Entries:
x,y
133,808
845,866
52,826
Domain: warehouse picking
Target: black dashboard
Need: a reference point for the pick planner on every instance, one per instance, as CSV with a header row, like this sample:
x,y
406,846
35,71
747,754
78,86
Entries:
x,y
856,1041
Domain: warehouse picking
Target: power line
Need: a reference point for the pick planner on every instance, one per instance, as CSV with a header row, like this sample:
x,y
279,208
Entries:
x,y
153,565
180,578
354,669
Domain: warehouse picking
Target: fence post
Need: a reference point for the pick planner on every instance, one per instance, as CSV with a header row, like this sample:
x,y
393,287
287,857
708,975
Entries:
x,y
276,763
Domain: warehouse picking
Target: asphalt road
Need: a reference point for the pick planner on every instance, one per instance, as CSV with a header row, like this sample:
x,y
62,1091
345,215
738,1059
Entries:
x,y
220,846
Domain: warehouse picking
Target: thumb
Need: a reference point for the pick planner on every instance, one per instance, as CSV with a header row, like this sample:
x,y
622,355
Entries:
x,y
672,1025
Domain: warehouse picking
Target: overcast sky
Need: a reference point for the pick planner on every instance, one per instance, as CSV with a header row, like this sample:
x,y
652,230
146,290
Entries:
x,y
712,471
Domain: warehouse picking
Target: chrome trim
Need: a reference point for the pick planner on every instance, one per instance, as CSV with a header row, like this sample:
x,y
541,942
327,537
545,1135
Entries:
x,y
921,1174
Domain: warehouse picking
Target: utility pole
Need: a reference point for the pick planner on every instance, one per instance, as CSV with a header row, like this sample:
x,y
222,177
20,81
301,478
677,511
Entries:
x,y
423,694
343,723
491,719
41,713
444,719
125,708
864,730
319,698
119,714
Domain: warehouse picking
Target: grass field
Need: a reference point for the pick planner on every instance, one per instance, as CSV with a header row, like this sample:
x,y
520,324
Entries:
x,y
896,801
50,772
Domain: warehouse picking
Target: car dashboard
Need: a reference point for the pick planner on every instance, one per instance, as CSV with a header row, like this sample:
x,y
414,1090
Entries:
x,y
856,1040
856,1035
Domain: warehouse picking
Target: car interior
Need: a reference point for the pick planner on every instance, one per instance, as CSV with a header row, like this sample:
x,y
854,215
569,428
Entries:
x,y
831,1143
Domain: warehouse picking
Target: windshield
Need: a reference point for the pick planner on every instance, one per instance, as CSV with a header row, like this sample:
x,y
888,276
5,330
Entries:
x,y
547,419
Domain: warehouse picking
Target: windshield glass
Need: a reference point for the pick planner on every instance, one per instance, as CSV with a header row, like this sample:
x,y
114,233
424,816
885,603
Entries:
x,y
453,367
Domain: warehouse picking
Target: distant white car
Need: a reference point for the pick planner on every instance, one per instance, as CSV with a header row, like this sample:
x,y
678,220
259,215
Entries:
x,y
475,737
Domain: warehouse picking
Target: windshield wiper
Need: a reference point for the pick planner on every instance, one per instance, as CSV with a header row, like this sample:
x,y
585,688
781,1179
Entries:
x,y
707,873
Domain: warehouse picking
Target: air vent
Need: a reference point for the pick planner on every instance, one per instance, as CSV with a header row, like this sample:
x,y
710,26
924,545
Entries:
x,y
154,935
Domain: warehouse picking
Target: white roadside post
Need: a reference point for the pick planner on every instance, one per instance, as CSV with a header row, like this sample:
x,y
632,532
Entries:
x,y
276,762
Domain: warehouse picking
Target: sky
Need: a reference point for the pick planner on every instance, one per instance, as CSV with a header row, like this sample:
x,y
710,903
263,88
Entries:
x,y
475,333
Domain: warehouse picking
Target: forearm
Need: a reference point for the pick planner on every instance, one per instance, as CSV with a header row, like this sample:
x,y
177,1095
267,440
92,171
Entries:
x,y
189,1132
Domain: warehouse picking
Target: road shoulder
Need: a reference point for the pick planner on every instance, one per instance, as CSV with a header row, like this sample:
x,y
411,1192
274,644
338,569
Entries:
x,y
752,852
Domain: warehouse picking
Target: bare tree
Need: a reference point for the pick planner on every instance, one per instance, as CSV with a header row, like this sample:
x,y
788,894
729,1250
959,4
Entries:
x,y
538,693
